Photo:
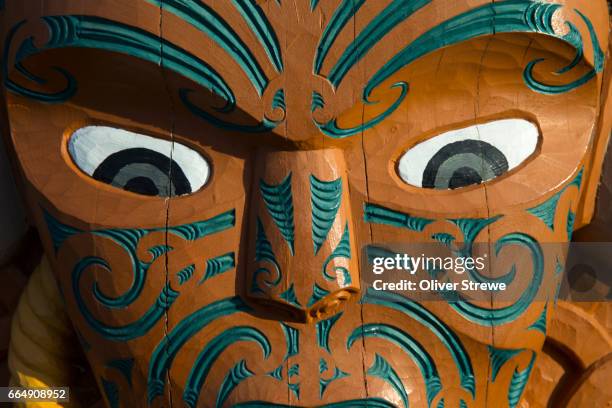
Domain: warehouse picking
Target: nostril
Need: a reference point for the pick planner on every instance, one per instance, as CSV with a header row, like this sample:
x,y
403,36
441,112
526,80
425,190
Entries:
x,y
325,308
331,304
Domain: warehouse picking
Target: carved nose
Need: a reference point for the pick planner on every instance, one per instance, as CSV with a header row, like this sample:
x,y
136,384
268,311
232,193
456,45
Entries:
x,y
302,253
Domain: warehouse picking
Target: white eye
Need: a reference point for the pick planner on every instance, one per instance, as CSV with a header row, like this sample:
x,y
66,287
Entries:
x,y
138,163
471,155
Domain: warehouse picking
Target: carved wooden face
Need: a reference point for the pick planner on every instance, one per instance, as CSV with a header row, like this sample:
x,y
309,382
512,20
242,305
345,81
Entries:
x,y
205,175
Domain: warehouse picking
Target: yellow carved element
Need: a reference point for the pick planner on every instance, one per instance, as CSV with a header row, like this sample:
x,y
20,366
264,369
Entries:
x,y
42,340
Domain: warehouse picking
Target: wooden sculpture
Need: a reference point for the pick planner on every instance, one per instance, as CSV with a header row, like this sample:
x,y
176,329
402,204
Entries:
x,y
204,176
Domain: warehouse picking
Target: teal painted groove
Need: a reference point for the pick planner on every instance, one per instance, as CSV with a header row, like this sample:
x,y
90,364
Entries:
x,y
495,317
129,239
278,101
313,4
27,48
234,377
324,383
471,227
518,382
571,218
357,403
318,293
279,203
577,181
59,232
277,373
499,357
255,17
540,324
343,14
322,365
295,389
376,214
186,273
342,250
599,55
129,331
264,253
395,13
546,210
317,101
24,50
196,230
444,238
206,20
410,346
575,39
292,340
210,354
264,126
325,200
334,131
290,297
99,33
218,265
167,349
159,250
498,17
124,366
111,391
383,370
446,335
293,370
323,330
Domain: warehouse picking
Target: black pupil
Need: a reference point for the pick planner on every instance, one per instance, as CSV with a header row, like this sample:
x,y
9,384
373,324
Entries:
x,y
142,185
464,177
143,171
464,163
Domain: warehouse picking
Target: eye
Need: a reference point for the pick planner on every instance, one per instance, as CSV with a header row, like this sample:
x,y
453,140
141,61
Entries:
x,y
138,163
471,155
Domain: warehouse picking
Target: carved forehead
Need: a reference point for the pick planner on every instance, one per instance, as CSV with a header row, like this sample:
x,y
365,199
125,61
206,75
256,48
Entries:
x,y
250,54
